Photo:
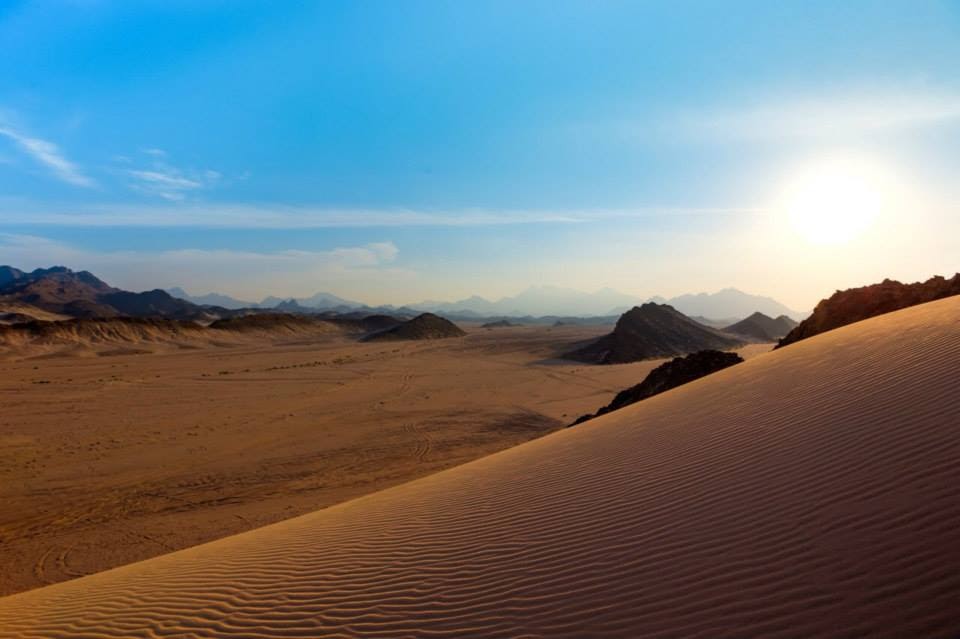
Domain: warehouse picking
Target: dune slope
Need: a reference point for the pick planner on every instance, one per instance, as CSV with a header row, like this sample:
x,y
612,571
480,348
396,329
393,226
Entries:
x,y
809,492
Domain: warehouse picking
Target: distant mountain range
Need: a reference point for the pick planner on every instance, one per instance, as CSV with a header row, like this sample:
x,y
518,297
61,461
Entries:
x,y
211,299
81,294
717,309
730,302
318,301
538,301
321,301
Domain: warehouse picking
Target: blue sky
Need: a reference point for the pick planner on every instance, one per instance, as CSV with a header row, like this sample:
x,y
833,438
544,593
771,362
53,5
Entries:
x,y
394,151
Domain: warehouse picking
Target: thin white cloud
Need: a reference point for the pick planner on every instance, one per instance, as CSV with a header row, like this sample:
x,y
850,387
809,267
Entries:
x,y
49,155
169,185
830,117
296,217
162,179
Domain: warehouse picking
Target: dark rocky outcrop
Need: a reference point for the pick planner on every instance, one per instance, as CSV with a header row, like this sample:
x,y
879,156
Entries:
x,y
363,323
155,303
855,304
762,327
676,372
652,331
379,322
498,324
268,322
423,326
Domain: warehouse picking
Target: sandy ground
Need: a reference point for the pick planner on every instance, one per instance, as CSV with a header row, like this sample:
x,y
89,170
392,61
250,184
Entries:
x,y
813,491
110,459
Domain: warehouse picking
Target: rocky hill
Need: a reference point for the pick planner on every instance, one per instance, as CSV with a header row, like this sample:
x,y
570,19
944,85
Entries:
x,y
676,372
651,331
125,331
96,334
423,326
371,323
274,324
762,327
80,294
855,304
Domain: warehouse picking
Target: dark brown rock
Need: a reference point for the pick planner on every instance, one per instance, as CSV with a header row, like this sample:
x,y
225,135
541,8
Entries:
x,y
855,304
676,372
423,326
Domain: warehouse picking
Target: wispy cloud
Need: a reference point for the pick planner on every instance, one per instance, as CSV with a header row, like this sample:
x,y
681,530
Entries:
x,y
823,117
170,186
296,217
49,155
162,179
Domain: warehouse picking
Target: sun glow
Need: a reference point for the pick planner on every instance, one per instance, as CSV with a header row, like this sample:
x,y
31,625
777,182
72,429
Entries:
x,y
835,201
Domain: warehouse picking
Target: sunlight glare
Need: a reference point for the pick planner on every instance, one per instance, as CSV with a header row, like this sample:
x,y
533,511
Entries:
x,y
835,201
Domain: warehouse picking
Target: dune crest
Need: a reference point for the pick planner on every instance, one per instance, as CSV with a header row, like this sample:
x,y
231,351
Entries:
x,y
813,491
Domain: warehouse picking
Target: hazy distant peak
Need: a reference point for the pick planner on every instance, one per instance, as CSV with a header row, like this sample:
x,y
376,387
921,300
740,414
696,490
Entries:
x,y
762,327
539,300
210,299
729,302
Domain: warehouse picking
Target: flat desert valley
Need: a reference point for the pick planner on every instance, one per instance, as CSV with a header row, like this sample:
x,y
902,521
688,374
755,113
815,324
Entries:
x,y
114,455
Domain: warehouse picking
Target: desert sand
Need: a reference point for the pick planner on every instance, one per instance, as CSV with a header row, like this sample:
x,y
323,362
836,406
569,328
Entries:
x,y
813,491
112,453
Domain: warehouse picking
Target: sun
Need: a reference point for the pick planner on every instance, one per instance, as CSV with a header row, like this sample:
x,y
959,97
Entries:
x,y
834,201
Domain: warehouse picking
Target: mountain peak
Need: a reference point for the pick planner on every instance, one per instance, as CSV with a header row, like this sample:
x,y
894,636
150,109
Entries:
x,y
760,326
422,327
651,331
60,290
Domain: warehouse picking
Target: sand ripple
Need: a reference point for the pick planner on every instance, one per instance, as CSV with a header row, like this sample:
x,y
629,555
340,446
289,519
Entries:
x,y
809,492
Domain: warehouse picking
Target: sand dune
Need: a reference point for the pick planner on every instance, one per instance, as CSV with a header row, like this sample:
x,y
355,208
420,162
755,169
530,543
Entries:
x,y
809,492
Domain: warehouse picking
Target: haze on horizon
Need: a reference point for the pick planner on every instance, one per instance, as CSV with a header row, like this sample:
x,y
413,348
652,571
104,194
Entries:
x,y
391,153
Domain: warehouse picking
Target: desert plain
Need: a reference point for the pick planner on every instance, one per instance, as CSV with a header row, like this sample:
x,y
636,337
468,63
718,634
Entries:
x,y
114,454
